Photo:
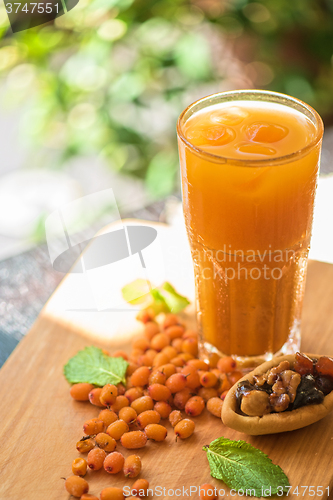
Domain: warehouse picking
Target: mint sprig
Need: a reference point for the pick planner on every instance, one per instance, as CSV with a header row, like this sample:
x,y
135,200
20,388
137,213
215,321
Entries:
x,y
161,299
174,301
242,467
93,366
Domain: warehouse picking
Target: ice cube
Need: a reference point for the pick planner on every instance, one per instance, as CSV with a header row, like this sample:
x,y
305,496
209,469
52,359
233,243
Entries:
x,y
255,149
211,135
232,115
266,132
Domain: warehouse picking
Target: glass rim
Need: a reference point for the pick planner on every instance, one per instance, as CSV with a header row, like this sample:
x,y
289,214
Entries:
x,y
249,161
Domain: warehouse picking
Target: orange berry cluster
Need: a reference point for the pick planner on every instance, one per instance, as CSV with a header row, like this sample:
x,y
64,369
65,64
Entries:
x,y
164,377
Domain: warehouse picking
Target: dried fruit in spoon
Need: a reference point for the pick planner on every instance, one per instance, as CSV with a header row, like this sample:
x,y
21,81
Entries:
x,y
286,393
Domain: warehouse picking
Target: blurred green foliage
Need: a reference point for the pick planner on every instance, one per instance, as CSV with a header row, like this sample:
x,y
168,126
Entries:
x,y
111,76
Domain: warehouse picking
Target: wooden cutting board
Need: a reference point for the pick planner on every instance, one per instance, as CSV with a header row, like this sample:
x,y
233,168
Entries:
x,y
40,423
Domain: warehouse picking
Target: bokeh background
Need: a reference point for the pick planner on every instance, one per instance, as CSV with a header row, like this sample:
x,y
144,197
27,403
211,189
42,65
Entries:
x,y
91,100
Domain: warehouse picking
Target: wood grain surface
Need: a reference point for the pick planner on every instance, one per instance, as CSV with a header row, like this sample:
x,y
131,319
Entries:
x,y
40,423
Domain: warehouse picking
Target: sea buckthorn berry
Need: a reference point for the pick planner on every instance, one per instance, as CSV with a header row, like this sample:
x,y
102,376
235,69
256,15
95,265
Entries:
x,y
114,462
106,442
131,369
128,414
217,372
93,426
157,378
156,432
207,393
151,329
177,344
129,384
121,389
141,343
227,364
170,320
76,486
80,392
148,417
194,406
169,401
135,355
175,417
117,429
176,383
168,369
192,377
79,467
108,395
190,334
163,408
147,358
132,466
134,440
140,488
145,315
234,377
112,493
108,417
141,376
223,395
134,393
87,496
186,356
159,341
214,406
159,392
208,492
120,403
175,332
213,359
224,383
94,396
190,346
184,428
85,445
180,398
143,404
170,351
208,379
199,364
178,361
120,354
151,353
96,458
160,359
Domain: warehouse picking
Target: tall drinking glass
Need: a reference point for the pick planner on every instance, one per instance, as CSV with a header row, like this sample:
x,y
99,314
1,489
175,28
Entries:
x,y
249,164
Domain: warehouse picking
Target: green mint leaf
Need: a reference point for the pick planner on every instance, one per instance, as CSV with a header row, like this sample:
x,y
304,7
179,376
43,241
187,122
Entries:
x,y
243,467
93,366
173,299
161,299
136,292
158,304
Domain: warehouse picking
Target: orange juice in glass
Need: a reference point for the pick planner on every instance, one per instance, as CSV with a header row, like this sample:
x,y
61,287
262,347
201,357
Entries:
x,y
249,164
